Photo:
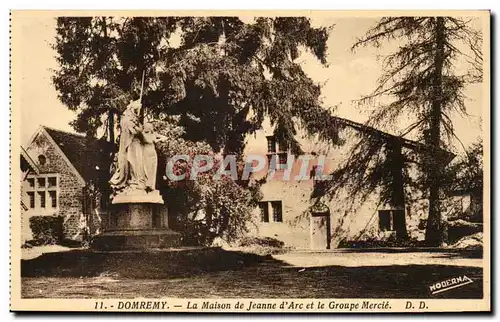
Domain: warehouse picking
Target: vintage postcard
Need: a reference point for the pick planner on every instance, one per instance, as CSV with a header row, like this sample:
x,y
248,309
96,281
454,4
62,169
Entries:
x,y
250,161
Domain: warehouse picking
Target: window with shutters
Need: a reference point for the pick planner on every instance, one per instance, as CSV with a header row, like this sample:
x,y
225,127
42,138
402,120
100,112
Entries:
x,y
264,211
277,211
271,211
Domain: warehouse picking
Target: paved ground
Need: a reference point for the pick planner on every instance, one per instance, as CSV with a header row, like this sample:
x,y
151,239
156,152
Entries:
x,y
34,252
377,257
294,275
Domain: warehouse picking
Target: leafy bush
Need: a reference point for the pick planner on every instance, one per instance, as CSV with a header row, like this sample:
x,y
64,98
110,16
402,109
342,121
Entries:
x,y
262,246
47,230
209,206
375,242
261,241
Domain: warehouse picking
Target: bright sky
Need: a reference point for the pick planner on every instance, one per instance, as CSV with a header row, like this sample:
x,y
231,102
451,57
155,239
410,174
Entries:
x,y
348,76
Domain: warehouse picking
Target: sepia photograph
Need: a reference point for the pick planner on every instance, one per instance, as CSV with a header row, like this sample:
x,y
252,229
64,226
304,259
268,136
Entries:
x,y
250,161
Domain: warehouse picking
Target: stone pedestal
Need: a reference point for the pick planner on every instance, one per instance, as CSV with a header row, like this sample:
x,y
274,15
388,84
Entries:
x,y
134,216
131,225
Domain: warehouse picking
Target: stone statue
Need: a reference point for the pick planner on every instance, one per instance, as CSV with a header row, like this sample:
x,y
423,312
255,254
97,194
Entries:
x,y
136,160
130,170
149,138
131,223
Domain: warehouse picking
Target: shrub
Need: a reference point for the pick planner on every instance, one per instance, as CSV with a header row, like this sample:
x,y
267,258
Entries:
x,y
374,242
262,246
261,241
47,230
213,205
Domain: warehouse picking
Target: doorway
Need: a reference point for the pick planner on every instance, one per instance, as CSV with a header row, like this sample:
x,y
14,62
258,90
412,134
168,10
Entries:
x,y
320,228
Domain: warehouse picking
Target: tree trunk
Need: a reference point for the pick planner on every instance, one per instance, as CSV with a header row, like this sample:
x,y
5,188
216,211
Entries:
x,y
111,126
435,226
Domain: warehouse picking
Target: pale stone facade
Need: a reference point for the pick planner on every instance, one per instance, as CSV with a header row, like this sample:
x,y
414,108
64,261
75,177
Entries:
x,y
298,228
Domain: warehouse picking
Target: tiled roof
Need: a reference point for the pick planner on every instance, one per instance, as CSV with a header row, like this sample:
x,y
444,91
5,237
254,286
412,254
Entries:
x,y
90,157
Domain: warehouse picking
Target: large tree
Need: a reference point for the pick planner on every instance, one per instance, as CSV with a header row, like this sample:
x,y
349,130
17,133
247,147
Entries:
x,y
421,83
218,77
222,79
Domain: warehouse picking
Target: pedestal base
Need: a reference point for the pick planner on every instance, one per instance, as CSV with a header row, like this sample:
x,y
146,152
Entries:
x,y
138,196
131,227
136,239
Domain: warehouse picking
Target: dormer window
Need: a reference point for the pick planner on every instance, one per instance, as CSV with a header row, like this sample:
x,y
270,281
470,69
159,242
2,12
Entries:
x,y
276,157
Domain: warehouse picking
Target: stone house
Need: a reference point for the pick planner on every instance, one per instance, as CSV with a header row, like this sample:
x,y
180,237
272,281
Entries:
x,y
286,210
64,171
68,176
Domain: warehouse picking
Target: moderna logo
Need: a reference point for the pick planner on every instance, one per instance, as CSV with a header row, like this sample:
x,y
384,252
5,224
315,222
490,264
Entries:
x,y
449,284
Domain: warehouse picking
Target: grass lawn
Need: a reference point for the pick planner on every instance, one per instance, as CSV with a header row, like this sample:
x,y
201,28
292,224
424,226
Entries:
x,y
215,273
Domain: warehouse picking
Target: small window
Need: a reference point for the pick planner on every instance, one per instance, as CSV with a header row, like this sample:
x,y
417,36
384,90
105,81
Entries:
x,y
313,172
53,199
52,182
277,211
41,195
31,196
31,182
264,211
40,182
320,186
283,158
42,159
385,220
271,144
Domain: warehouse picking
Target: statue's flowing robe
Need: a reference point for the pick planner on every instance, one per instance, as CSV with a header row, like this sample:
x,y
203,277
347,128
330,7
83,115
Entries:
x,y
131,170
150,160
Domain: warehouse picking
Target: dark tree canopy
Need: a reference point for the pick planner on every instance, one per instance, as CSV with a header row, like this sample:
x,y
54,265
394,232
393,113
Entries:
x,y
223,78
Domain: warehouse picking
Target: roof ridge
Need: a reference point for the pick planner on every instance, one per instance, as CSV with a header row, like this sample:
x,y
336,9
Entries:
x,y
66,132
79,135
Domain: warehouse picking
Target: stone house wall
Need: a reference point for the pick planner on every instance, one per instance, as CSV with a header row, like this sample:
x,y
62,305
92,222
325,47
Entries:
x,y
69,188
347,222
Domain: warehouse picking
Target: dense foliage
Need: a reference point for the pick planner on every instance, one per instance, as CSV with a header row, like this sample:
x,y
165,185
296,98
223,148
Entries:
x,y
222,77
210,206
47,230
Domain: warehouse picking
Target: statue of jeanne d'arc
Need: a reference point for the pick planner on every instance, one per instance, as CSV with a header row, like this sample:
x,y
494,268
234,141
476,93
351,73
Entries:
x,y
136,159
129,173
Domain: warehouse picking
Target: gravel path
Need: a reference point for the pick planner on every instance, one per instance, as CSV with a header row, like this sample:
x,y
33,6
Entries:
x,y
333,274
